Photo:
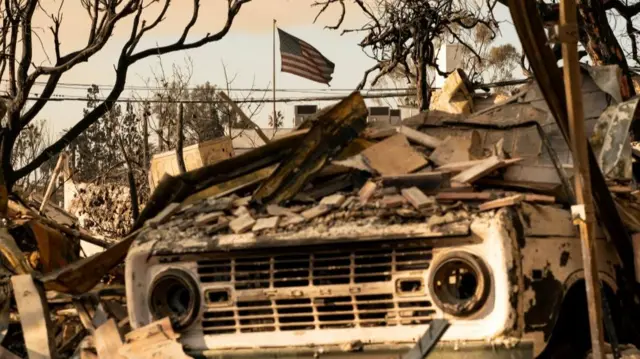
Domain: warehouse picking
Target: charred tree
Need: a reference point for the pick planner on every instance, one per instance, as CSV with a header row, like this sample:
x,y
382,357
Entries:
x,y
180,139
400,34
17,63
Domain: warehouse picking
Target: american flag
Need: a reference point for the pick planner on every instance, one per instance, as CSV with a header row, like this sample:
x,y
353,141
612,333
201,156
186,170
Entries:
x,y
300,58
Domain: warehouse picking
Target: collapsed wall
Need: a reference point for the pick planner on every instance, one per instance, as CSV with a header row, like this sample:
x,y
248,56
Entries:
x,y
101,208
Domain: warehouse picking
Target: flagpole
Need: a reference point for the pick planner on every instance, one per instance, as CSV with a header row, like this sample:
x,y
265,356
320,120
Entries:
x,y
275,119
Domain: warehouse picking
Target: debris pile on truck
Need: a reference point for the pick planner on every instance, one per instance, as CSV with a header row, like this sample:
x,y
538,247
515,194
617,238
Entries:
x,y
333,177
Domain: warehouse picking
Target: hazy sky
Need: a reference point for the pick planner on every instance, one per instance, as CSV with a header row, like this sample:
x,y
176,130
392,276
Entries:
x,y
246,51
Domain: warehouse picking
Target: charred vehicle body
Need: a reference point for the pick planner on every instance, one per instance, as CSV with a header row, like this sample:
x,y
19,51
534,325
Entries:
x,y
370,253
364,288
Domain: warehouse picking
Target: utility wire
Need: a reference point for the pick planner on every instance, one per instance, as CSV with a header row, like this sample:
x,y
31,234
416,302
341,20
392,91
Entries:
x,y
84,86
247,100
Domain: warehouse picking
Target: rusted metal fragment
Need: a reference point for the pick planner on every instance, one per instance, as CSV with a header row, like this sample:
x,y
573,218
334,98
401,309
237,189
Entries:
x,y
629,212
607,78
80,276
551,267
56,251
12,252
543,62
423,347
326,138
36,323
610,138
539,220
548,292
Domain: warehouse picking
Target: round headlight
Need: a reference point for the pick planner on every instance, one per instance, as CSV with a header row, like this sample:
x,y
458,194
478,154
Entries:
x,y
459,284
175,294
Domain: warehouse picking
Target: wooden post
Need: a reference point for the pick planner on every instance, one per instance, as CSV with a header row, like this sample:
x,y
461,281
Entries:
x,y
242,116
584,213
275,118
180,140
145,137
52,180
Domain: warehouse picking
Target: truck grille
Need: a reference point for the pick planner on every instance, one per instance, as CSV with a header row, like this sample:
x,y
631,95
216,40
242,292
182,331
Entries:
x,y
375,310
318,269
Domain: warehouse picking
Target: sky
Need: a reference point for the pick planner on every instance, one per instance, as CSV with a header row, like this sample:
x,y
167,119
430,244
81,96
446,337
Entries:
x,y
247,52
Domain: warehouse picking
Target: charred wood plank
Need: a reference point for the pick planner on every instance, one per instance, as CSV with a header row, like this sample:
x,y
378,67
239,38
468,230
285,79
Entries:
x,y
333,131
37,327
176,189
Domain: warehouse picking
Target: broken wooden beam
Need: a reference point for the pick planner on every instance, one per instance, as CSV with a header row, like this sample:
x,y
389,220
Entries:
x,y
375,133
266,223
539,198
417,198
502,202
424,180
327,137
478,171
39,337
465,196
367,191
419,137
242,224
243,116
464,165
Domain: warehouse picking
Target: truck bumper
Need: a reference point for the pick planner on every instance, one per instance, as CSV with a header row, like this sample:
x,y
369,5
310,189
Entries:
x,y
467,350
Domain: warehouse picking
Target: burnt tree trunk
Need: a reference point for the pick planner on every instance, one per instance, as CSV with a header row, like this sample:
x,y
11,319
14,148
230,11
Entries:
x,y
4,183
145,139
601,43
180,139
133,191
424,93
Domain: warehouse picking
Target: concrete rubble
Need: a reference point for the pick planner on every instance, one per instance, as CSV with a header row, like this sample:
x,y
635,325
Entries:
x,y
333,173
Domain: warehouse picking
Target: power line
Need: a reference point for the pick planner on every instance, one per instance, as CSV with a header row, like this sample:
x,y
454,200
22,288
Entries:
x,y
247,100
84,86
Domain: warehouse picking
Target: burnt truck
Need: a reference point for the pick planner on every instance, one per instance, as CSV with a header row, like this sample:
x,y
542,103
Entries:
x,y
364,287
361,263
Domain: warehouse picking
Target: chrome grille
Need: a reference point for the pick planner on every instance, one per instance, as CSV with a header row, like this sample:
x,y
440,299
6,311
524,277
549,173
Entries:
x,y
375,310
337,308
317,269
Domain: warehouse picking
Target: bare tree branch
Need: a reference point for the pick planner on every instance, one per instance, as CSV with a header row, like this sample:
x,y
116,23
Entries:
x,y
101,31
